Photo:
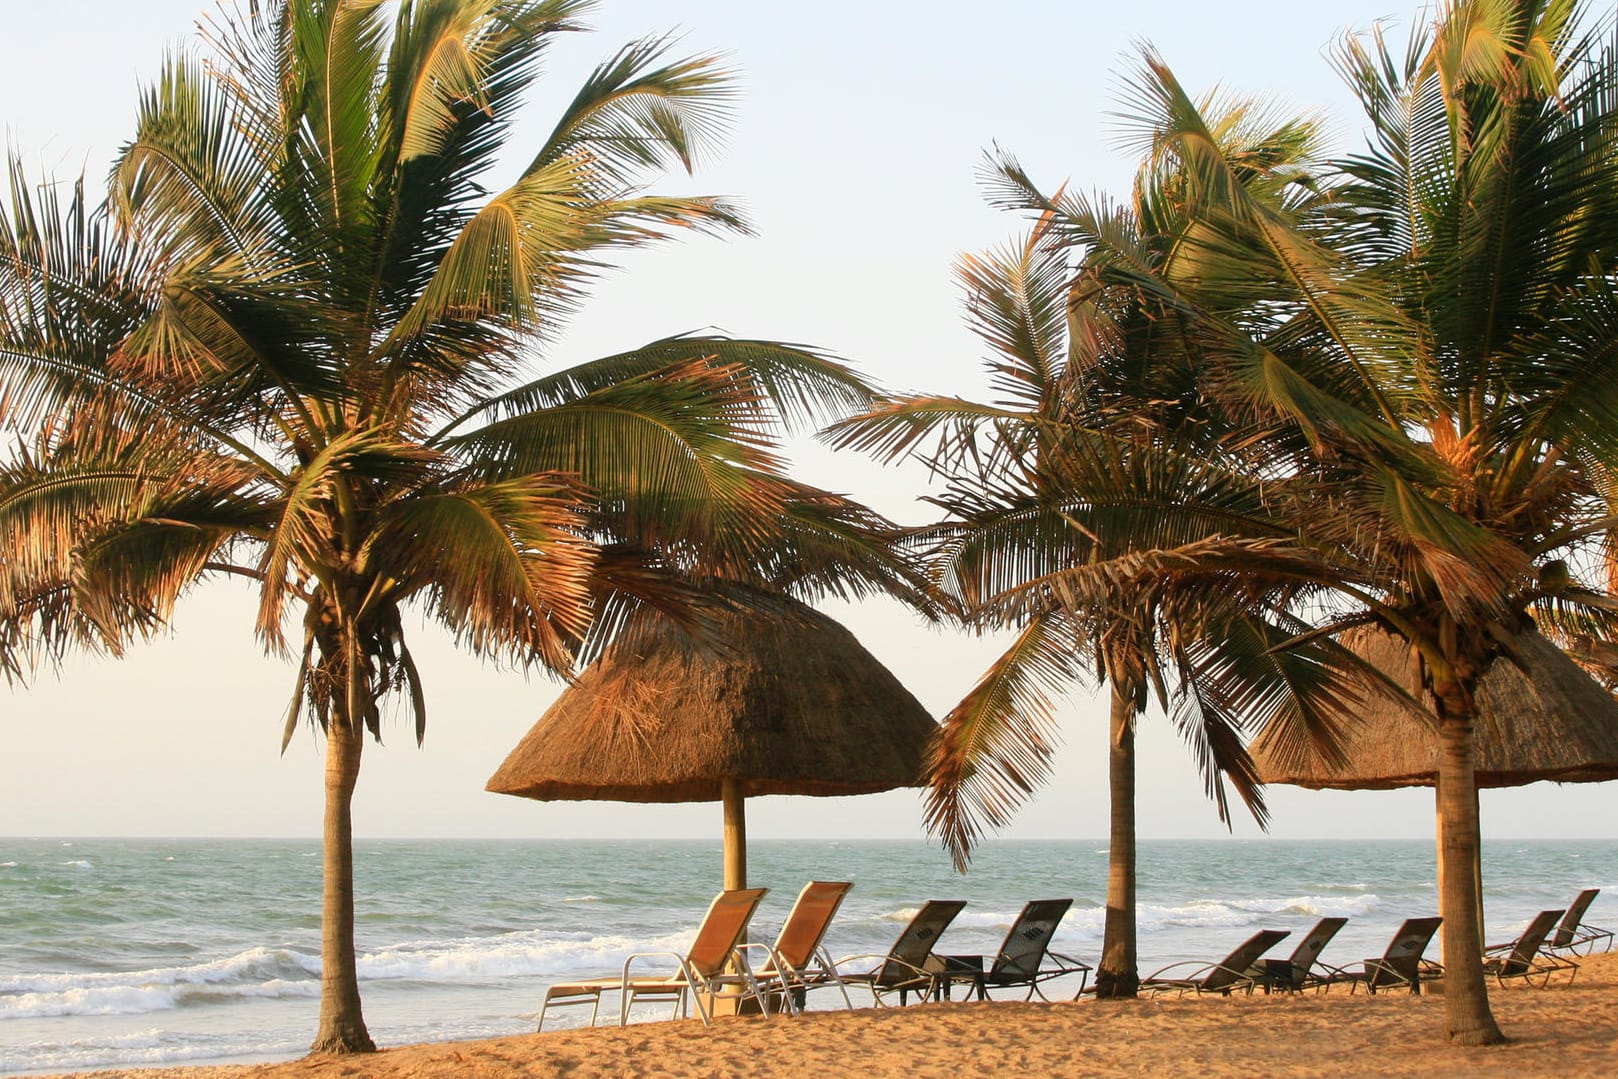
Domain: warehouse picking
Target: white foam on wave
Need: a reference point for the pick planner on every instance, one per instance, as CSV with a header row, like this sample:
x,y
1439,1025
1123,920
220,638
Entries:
x,y
581,899
521,954
1320,906
1235,913
256,973
8,865
78,863
275,973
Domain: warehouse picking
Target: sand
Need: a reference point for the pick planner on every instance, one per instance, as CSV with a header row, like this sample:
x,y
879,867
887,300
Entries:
x,y
1568,1029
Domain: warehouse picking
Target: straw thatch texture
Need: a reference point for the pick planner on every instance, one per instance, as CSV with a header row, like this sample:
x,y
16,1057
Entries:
x,y
793,706
1554,722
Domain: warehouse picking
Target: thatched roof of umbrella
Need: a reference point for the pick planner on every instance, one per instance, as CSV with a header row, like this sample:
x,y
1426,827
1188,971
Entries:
x,y
1552,722
792,705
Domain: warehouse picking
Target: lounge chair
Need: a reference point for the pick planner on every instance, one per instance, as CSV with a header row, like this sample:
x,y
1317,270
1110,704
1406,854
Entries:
x,y
1229,974
797,962
910,965
1401,964
1575,934
713,962
1526,957
1299,971
1024,959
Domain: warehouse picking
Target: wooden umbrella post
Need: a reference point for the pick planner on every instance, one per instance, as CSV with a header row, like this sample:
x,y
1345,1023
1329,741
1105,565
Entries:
x,y
729,1000
735,833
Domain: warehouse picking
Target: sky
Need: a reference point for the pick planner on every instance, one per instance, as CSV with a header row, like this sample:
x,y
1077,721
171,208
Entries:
x,y
855,151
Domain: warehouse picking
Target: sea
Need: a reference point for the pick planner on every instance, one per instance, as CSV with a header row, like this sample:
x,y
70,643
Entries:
x,y
143,952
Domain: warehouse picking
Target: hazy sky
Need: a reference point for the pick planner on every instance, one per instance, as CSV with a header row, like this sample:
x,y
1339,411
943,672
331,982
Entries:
x,y
855,149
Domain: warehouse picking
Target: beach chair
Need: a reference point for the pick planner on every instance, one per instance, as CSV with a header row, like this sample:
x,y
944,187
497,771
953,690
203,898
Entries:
x,y
910,965
1576,935
1401,964
1526,957
797,962
1024,959
1299,971
1229,974
714,962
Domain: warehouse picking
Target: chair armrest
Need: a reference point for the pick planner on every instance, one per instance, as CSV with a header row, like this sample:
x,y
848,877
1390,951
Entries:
x,y
858,956
1068,963
775,966
880,960
1242,978
1197,965
1057,965
679,960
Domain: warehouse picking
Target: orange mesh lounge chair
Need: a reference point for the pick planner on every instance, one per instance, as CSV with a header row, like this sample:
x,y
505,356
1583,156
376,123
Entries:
x,y
1400,965
713,962
798,962
910,966
1229,974
1526,957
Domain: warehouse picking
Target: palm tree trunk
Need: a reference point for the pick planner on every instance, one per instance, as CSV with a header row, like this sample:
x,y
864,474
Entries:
x,y
1117,975
1466,996
342,1025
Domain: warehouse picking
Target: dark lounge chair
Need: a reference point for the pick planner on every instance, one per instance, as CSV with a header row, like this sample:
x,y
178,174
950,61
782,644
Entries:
x,y
910,966
1300,971
1526,957
1230,973
1400,965
1024,960
1575,934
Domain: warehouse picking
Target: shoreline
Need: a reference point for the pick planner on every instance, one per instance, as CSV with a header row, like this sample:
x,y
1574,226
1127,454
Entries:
x,y
1567,1029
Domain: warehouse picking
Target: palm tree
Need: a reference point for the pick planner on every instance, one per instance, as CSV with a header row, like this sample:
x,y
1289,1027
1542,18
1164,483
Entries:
x,y
1487,199
295,343
1423,371
1096,469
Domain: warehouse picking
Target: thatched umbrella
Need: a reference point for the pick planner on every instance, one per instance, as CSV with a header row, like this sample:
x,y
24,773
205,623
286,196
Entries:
x,y
1545,720
789,704
1552,721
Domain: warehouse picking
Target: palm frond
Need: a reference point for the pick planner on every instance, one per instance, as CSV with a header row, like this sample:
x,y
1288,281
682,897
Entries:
x,y
636,112
504,565
996,745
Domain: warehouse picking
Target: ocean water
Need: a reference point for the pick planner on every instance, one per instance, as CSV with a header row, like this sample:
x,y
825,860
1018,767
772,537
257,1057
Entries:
x,y
150,952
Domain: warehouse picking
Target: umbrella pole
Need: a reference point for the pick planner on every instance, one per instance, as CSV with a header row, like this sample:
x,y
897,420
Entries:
x,y
728,1000
735,834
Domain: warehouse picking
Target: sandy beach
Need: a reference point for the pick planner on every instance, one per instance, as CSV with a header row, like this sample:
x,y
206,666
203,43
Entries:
x,y
1568,1029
